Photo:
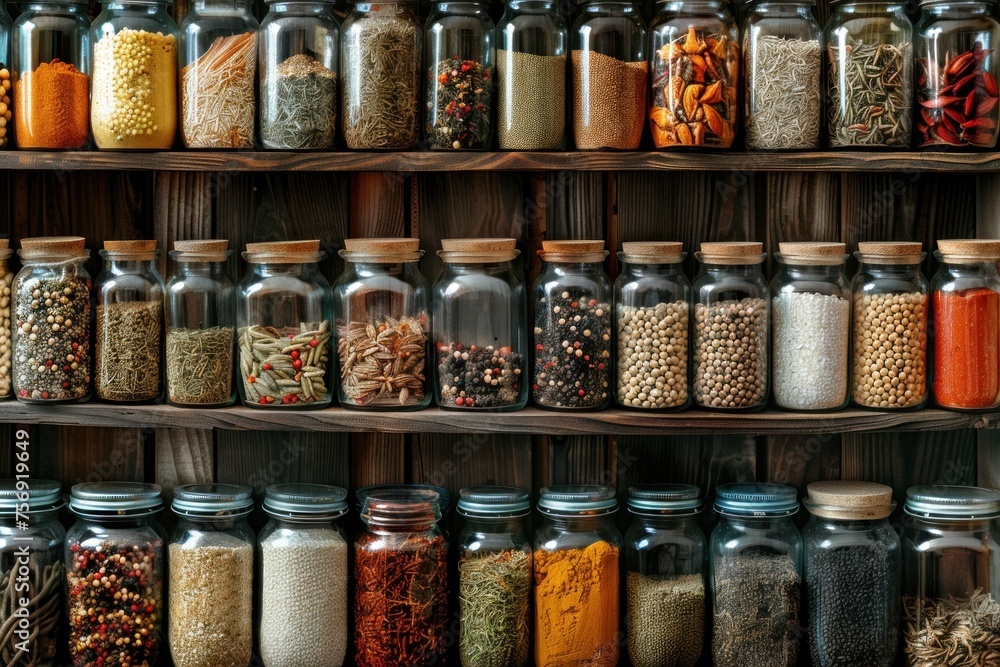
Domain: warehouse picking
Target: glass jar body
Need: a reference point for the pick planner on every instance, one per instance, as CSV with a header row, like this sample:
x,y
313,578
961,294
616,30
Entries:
x,y
6,83
299,54
6,341
695,64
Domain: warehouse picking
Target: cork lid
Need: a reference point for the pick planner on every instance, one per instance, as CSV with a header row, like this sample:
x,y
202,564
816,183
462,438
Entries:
x,y
205,250
454,251
283,252
5,250
138,249
66,247
387,250
812,253
573,251
891,252
969,249
652,252
731,252
849,500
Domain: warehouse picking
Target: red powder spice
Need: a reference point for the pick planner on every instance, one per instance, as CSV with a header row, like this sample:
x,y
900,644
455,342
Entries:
x,y
967,348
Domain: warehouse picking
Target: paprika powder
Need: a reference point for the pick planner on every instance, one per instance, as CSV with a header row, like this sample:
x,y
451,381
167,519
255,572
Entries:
x,y
52,106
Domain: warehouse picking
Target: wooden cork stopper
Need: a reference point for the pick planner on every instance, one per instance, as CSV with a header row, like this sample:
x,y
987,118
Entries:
x,y
382,246
732,252
455,251
54,244
587,247
283,247
849,500
4,244
986,248
812,249
138,246
891,249
652,249
202,247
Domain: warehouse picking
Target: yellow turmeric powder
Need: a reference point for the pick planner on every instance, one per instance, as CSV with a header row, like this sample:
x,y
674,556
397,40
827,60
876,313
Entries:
x,y
576,607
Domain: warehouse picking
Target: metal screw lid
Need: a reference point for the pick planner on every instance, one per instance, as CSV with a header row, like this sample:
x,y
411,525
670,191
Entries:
x,y
494,501
570,499
40,495
942,501
664,499
208,500
305,502
115,499
756,499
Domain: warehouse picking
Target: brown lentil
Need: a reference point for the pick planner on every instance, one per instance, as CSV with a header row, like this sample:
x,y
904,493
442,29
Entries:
x,y
653,356
609,108
532,101
730,353
890,350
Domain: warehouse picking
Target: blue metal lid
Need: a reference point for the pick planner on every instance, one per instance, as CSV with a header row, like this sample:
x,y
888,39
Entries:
x,y
570,499
664,499
39,494
494,501
110,499
212,500
756,499
942,501
305,502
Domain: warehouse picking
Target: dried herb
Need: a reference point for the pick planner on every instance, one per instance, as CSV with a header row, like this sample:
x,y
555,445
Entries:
x,y
958,632
494,596
45,611
299,106
128,351
217,94
199,365
958,100
870,91
382,362
475,377
460,105
285,366
783,93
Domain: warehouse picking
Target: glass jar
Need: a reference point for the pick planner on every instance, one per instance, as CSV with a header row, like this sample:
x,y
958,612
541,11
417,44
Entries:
x,y
116,534
218,60
6,94
211,576
439,495
783,57
665,553
811,308
852,571
381,61
652,305
695,62
284,296
950,584
531,77
302,560
401,581
957,73
756,575
50,55
380,303
31,544
730,327
201,325
610,75
965,293
52,283
479,326
572,299
134,98
494,572
891,313
299,48
6,297
576,577
870,79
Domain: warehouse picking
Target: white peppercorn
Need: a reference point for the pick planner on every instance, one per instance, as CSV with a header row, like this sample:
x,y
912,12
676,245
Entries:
x,y
730,353
890,350
653,355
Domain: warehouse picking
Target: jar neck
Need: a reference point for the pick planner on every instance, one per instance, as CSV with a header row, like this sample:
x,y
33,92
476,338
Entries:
x,y
531,6
506,525
379,269
492,268
119,266
37,518
870,8
202,269
813,272
696,6
300,7
575,523
267,270
118,522
979,269
144,7
304,524
242,6
749,271
758,522
892,270
957,9
966,526
652,270
56,7
213,524
464,8
666,523
386,526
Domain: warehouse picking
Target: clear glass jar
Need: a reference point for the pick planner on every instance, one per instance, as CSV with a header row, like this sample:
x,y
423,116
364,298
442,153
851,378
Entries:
x,y
302,561
6,297
218,60
811,308
576,575
381,302
134,98
870,77
6,84
31,555
572,299
652,308
284,296
439,495
50,56
783,60
951,592
756,575
891,312
957,73
730,338
401,551
480,308
665,555
610,75
116,534
695,63
494,571
852,567
965,294
211,576
52,283
129,323
382,85
201,325
299,51
531,77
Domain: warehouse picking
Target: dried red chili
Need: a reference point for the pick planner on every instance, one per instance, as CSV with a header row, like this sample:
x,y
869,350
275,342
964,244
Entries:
x,y
967,348
958,101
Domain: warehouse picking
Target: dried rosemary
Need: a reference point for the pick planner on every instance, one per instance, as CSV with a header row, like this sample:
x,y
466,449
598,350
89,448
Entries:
x,y
460,105
128,351
299,105
958,632
285,366
199,365
217,94
494,593
870,94
783,93
45,612
383,362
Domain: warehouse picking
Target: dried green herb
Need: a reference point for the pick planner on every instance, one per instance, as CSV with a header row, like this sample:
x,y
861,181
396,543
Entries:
x,y
460,104
494,594
199,365
870,94
285,366
128,351
958,632
299,105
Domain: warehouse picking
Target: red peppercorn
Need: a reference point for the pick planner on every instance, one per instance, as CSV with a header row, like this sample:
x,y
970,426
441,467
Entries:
x,y
582,392
297,364
459,401
313,343
295,354
266,367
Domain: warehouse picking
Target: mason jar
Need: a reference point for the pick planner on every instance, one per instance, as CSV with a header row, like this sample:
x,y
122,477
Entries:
x,y
381,307
50,56
665,555
52,283
531,76
479,313
756,574
811,308
218,61
783,58
965,293
6,297
211,576
730,336
891,313
201,325
116,534
652,305
31,555
300,623
299,53
870,76
129,323
6,83
610,75
576,577
283,317
695,63
494,572
440,496
957,73
852,571
382,86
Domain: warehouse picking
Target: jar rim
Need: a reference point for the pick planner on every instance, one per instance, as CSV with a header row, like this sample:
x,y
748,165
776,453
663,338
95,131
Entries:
x,y
115,499
666,500
577,500
756,499
39,495
494,502
402,507
212,500
952,502
305,502
362,494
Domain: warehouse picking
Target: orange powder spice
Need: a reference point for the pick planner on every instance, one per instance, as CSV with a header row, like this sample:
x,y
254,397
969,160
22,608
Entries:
x,y
967,348
52,107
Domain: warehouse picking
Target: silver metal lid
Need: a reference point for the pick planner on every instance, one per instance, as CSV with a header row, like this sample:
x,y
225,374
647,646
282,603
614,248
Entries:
x,y
494,501
756,499
208,500
39,494
443,496
569,499
942,501
115,499
305,502
664,499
